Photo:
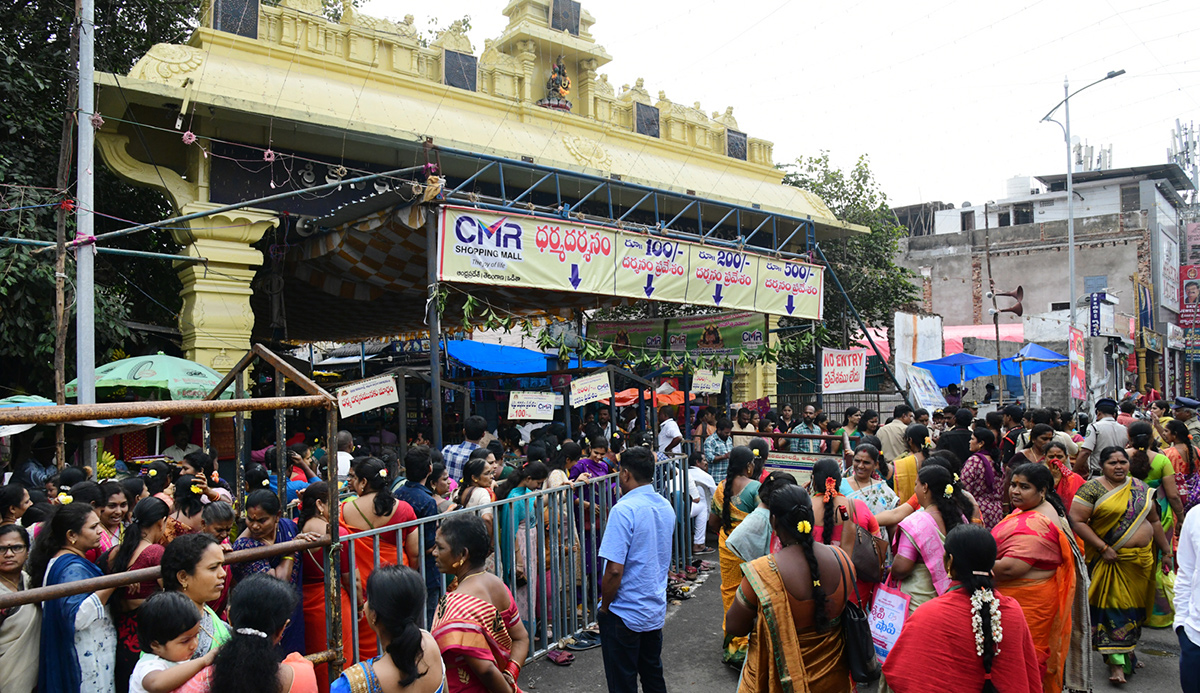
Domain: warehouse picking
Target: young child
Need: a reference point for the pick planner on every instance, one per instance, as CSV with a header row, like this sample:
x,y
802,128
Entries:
x,y
168,630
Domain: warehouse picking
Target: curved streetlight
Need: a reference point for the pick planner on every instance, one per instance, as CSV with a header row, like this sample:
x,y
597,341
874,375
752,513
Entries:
x,y
1070,170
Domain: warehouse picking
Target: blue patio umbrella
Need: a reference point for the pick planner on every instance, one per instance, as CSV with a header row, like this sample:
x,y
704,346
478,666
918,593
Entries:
x,y
97,428
1031,359
958,368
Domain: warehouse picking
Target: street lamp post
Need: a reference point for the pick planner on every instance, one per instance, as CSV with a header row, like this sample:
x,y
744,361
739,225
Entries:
x,y
1066,104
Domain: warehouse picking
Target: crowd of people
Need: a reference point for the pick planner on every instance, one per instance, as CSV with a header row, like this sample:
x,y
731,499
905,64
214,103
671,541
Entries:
x,y
1036,541
1013,531
426,608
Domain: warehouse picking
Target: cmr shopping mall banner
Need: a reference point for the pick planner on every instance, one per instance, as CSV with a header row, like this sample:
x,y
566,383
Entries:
x,y
478,247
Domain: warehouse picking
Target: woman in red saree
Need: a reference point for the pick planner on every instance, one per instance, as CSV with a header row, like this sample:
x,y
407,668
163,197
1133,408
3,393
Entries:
x,y
477,627
937,637
375,508
1040,566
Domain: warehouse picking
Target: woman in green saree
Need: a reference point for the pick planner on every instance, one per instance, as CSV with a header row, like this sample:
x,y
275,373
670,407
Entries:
x,y
1115,517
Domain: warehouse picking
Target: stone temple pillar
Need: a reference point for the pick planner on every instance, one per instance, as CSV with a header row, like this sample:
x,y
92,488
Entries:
x,y
216,320
755,381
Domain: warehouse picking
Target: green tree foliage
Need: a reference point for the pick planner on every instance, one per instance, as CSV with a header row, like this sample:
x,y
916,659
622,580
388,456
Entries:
x,y
35,74
865,263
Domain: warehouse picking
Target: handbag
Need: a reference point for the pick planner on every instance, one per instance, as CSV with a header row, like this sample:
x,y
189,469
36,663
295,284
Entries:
x,y
889,612
869,554
856,631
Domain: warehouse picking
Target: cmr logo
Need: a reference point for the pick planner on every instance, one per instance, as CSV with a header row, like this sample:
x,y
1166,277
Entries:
x,y
500,239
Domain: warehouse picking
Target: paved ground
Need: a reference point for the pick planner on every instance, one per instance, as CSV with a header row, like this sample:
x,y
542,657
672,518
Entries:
x,y
692,658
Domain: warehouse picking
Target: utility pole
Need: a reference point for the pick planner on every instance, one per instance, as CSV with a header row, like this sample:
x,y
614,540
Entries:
x,y
60,259
85,292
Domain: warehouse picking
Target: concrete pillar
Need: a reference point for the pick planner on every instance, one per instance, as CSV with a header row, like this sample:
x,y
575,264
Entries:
x,y
216,320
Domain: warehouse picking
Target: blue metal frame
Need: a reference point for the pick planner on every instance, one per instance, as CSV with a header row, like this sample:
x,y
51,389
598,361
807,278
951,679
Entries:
x,y
741,213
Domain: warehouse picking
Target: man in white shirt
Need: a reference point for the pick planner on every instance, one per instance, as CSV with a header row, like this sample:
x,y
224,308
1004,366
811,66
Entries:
x,y
701,487
182,433
1104,432
669,436
1187,603
345,446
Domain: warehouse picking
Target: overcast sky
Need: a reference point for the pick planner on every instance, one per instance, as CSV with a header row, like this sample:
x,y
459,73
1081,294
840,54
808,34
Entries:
x,y
943,95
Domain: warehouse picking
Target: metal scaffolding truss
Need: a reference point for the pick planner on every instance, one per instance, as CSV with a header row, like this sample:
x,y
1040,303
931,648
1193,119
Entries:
x,y
522,187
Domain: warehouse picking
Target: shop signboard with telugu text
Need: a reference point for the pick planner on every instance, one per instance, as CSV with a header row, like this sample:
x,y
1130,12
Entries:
x,y
531,406
1076,364
843,371
366,395
706,382
592,388
517,250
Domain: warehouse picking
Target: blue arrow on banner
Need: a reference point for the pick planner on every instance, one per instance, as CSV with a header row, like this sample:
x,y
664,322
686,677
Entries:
x,y
717,295
649,285
790,305
575,279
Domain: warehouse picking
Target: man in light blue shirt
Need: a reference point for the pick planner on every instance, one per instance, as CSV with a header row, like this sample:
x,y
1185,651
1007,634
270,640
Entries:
x,y
633,590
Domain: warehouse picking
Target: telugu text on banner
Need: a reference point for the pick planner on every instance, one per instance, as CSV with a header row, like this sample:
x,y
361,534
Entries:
x,y
843,371
480,247
366,395
531,406
593,388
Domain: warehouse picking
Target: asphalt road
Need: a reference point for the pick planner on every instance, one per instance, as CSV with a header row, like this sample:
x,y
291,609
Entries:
x,y
692,656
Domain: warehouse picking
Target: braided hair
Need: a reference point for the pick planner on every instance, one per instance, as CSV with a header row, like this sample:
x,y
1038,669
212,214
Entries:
x,y
826,475
973,554
791,509
953,506
741,460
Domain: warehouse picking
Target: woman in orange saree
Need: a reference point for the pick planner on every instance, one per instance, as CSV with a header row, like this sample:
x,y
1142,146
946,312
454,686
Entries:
x,y
1039,565
477,627
375,508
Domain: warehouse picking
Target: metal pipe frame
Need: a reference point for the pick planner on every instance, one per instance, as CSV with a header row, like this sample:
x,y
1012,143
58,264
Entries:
x,y
110,251
158,409
502,164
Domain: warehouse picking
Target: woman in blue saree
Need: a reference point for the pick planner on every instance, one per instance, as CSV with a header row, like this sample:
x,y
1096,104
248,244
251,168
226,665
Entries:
x,y
79,640
264,527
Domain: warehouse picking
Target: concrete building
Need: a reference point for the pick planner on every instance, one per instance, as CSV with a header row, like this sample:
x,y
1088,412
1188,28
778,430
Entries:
x,y
1127,230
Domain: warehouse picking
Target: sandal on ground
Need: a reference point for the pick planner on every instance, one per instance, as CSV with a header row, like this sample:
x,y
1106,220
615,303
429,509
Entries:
x,y
560,658
707,550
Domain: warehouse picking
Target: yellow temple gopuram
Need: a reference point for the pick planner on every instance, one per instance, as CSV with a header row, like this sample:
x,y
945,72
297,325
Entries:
x,y
264,99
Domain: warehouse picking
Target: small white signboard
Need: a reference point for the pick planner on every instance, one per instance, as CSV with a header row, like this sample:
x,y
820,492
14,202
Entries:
x,y
593,388
531,406
366,395
705,382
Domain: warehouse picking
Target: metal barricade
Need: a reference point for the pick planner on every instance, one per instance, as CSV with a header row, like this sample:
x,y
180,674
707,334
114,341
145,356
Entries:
x,y
557,585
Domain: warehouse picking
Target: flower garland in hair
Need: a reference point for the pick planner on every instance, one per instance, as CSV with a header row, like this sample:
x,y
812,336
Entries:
x,y
985,596
831,490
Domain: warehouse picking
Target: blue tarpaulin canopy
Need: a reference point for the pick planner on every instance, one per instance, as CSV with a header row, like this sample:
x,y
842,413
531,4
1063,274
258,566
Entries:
x,y
1045,360
957,368
496,358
